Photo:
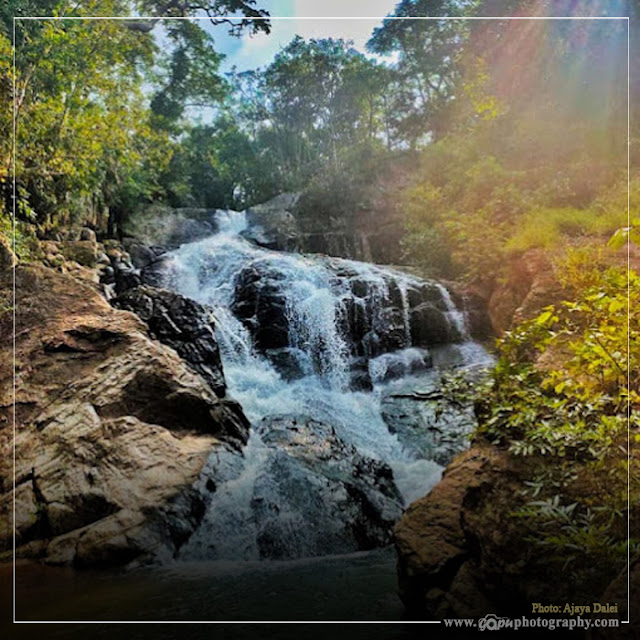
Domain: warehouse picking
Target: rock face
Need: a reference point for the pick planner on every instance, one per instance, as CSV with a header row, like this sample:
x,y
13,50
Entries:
x,y
427,422
84,252
355,501
112,428
531,286
379,312
172,227
300,491
273,224
289,223
461,555
183,325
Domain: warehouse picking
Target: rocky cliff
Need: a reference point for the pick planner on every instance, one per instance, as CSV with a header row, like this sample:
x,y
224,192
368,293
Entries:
x,y
463,553
111,427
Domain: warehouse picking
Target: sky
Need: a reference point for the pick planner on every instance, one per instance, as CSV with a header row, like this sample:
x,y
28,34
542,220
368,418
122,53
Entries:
x,y
250,52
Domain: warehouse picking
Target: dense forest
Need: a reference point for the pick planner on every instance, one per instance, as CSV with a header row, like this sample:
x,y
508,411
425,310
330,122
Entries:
x,y
503,139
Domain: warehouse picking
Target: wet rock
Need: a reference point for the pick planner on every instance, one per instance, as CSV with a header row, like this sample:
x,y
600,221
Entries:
x,y
399,364
427,423
125,277
190,225
183,325
155,273
372,315
103,259
112,427
350,503
429,326
291,364
359,376
261,305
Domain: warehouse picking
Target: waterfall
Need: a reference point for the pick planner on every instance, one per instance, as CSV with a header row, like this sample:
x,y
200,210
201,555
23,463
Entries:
x,y
320,342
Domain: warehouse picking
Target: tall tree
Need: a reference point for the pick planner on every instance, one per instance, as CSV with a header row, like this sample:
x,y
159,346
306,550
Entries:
x,y
98,103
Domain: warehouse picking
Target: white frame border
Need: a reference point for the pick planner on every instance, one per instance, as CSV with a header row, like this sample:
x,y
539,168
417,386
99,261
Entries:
x,y
335,18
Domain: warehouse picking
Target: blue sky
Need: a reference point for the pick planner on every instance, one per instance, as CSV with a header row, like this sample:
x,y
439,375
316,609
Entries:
x,y
257,51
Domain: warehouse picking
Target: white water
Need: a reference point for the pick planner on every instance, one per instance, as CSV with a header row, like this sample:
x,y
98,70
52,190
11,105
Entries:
x,y
206,271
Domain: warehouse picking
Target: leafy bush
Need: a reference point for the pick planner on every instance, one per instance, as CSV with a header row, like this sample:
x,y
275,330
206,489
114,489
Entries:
x,y
560,385
565,394
26,244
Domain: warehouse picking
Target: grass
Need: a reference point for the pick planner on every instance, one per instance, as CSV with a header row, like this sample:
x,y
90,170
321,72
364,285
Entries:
x,y
548,228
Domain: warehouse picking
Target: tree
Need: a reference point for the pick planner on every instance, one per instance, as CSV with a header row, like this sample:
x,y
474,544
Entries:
x,y
427,70
89,138
312,106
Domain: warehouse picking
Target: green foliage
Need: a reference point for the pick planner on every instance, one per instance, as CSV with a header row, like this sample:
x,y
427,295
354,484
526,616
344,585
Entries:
x,y
427,69
317,119
577,408
482,207
218,166
564,397
576,535
26,245
581,267
532,158
626,234
190,73
99,105
549,228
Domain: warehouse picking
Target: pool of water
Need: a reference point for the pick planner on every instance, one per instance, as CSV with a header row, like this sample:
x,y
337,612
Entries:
x,y
344,589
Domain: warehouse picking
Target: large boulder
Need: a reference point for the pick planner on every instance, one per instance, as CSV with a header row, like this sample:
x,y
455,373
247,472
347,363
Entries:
x,y
84,252
112,428
162,226
301,491
273,223
462,553
183,325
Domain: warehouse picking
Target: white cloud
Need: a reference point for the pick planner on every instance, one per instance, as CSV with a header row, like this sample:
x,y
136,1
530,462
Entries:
x,y
259,50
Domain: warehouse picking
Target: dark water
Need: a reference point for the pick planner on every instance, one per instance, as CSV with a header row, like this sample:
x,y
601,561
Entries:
x,y
343,589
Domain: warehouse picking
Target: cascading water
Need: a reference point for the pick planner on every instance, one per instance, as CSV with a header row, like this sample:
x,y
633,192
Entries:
x,y
315,349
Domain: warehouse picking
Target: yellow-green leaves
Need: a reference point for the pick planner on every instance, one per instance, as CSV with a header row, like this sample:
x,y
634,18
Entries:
x,y
626,234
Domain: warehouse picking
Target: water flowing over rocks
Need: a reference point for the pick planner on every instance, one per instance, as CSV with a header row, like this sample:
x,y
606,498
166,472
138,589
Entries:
x,y
141,451
289,222
345,306
300,491
323,354
112,428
